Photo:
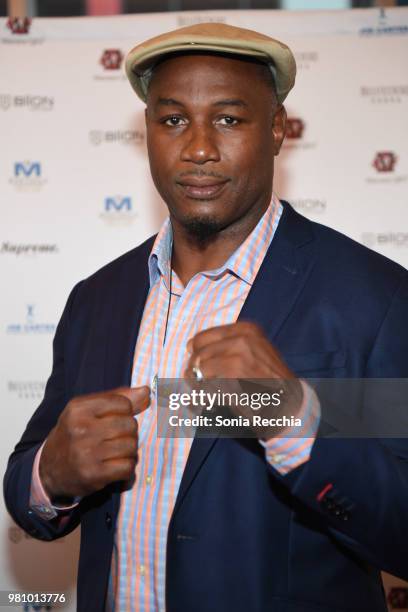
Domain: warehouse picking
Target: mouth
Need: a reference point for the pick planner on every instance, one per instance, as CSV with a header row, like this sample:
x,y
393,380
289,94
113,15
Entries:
x,y
202,190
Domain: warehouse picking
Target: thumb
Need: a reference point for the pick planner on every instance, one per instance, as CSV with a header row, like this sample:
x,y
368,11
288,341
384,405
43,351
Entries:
x,y
139,397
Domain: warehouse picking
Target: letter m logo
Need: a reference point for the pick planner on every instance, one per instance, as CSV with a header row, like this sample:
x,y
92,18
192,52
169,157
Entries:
x,y
27,169
118,203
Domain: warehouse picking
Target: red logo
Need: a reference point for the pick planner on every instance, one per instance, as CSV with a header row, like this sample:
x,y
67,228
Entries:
x,y
385,161
19,25
294,128
398,598
112,59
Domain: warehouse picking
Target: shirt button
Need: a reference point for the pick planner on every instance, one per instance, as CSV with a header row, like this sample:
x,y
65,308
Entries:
x,y
149,480
142,570
277,458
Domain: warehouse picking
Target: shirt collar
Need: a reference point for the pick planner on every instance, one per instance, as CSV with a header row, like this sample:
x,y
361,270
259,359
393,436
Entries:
x,y
244,262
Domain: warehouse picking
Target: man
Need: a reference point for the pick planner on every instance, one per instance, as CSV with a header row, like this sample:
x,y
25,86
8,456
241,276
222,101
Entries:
x,y
235,285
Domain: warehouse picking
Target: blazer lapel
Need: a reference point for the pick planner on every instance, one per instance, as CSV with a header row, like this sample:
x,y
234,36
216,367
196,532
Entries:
x,y
128,296
282,275
280,280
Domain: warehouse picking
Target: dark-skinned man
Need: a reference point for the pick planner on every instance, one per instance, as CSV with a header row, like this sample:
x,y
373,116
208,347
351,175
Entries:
x,y
235,285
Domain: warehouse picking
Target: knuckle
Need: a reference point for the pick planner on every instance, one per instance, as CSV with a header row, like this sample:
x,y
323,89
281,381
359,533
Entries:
x,y
130,465
236,362
250,327
126,469
133,444
133,427
123,403
242,343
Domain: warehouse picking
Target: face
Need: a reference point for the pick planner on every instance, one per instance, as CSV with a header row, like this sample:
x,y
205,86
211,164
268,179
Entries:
x,y
213,129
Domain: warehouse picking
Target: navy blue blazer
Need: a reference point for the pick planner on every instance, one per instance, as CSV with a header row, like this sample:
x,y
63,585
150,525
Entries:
x,y
242,538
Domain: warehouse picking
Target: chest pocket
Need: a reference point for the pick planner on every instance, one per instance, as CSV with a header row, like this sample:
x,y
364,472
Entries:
x,y
315,363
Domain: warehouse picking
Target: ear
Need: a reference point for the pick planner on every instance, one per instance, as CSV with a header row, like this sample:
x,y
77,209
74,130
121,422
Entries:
x,y
278,128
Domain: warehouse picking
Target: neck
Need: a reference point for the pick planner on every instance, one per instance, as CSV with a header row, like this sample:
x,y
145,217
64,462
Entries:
x,y
191,255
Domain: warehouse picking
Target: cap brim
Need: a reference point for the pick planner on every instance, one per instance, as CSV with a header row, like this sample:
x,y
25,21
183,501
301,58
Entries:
x,y
141,60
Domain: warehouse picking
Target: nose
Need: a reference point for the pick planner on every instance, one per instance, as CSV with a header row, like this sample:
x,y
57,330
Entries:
x,y
200,146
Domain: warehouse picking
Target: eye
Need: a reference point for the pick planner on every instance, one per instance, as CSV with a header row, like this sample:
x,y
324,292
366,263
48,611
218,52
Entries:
x,y
228,120
173,121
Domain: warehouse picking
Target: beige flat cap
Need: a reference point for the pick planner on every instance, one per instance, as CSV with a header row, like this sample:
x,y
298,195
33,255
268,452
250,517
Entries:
x,y
212,37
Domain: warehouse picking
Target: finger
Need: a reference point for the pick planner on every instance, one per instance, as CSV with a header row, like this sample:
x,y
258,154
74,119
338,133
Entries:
x,y
122,448
139,397
119,427
119,469
222,332
258,355
220,366
231,345
112,404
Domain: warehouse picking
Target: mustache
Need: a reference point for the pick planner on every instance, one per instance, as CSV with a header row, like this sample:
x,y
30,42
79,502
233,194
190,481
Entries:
x,y
202,173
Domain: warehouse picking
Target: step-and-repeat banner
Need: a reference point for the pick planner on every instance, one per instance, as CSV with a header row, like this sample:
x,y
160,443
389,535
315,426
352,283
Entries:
x,y
76,190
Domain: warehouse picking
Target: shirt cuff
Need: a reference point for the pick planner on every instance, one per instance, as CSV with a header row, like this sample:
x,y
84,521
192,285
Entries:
x,y
40,503
285,452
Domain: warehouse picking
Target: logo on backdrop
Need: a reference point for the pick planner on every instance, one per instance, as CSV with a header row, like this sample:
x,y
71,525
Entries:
x,y
118,209
383,26
384,166
192,19
30,326
385,239
305,60
112,59
385,161
385,94
26,389
294,128
295,134
28,249
398,598
111,63
17,30
28,176
5,101
98,137
27,101
312,206
19,25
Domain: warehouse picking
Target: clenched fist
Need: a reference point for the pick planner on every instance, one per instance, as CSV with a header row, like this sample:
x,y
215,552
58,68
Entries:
x,y
94,443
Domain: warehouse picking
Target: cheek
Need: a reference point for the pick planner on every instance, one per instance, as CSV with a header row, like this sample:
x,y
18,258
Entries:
x,y
161,158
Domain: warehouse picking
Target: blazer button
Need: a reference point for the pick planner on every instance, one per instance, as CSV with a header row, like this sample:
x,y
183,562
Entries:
x,y
108,520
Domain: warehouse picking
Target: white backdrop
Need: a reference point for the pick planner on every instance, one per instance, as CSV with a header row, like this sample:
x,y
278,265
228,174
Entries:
x,y
76,190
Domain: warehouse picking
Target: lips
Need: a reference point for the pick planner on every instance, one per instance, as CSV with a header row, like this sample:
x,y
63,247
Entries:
x,y
202,190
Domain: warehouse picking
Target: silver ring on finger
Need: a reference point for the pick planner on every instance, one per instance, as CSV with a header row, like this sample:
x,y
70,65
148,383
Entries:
x,y
197,373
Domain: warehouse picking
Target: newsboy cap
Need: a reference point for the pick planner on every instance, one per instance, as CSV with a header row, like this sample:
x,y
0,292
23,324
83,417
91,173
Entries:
x,y
213,37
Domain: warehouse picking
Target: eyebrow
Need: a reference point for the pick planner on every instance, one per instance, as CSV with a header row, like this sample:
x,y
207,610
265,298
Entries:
x,y
231,102
168,102
228,102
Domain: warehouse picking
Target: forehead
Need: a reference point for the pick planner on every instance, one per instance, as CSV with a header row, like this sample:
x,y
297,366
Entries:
x,y
208,71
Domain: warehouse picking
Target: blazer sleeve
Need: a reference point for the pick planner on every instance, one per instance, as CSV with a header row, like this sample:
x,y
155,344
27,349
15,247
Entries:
x,y
357,488
17,479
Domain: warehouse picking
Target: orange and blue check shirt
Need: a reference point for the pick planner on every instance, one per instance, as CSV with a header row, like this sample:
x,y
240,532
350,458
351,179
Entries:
x,y
211,298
